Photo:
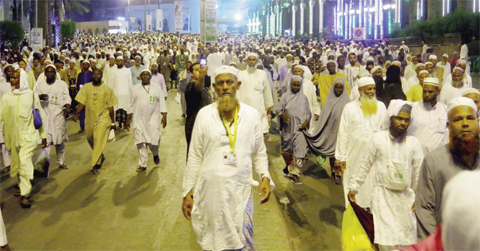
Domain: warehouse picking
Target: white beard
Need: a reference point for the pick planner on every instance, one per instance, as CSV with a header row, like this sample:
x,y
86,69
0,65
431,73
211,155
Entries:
x,y
369,105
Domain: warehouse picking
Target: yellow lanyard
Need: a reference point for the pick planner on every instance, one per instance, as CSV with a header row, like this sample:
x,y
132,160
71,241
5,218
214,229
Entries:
x,y
227,127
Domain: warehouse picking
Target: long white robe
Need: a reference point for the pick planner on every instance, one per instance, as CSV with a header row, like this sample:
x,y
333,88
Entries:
x,y
354,134
410,71
214,61
449,92
429,125
3,231
58,97
160,81
395,222
122,87
221,191
147,109
108,75
255,91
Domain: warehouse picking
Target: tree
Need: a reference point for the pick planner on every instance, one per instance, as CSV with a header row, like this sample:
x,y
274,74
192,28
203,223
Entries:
x,y
68,29
76,7
11,33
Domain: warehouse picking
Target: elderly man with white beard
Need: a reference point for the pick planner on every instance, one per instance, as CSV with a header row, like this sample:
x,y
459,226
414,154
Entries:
x,y
393,159
148,104
460,154
255,90
453,86
55,100
360,119
217,186
309,92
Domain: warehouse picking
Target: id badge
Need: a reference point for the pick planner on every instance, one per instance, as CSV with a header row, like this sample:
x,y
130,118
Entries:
x,y
53,99
229,159
151,99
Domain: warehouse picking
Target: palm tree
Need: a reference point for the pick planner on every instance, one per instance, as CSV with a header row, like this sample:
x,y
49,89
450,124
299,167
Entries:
x,y
73,7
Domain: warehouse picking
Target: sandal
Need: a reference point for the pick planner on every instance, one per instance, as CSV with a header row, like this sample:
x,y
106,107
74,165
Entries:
x,y
338,179
63,166
295,179
95,170
332,177
25,202
286,173
141,169
103,160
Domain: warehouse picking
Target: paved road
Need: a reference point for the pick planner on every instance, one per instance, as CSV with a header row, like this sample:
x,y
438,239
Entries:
x,y
120,209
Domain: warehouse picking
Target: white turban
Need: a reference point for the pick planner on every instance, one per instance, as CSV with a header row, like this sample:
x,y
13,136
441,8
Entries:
x,y
370,59
445,55
460,221
73,61
251,54
431,81
51,66
419,64
225,69
374,69
111,57
396,106
397,63
365,81
470,91
423,71
93,60
288,55
461,61
457,68
458,101
120,57
147,70
85,61
331,61
432,57
428,63
7,65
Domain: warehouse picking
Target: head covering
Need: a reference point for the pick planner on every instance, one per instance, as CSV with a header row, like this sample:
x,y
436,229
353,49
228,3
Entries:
x,y
365,81
445,55
422,72
374,69
370,59
457,68
73,61
397,105
8,65
419,64
432,56
147,70
393,75
111,57
397,63
428,63
460,203
470,91
225,69
120,57
252,54
86,61
459,101
431,81
331,61
51,66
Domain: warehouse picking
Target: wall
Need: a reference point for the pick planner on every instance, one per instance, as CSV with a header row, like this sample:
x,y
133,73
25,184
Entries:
x,y
100,25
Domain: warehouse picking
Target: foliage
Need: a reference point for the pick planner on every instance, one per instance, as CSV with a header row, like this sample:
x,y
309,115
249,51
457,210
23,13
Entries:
x,y
68,29
74,7
11,33
467,24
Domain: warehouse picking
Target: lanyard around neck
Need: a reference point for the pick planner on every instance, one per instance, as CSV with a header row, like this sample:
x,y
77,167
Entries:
x,y
227,127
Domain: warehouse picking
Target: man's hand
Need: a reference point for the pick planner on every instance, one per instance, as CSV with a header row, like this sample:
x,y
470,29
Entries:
x,y
265,190
44,143
413,207
203,72
43,97
285,118
340,167
317,117
164,120
188,205
138,78
305,124
65,113
76,117
351,196
269,111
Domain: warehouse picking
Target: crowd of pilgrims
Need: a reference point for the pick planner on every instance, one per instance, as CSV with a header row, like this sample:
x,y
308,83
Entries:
x,y
395,126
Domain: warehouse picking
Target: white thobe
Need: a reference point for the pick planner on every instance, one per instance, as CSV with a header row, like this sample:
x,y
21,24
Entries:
x,y
429,125
122,87
108,75
467,80
58,97
449,92
348,74
221,191
255,91
411,82
446,70
395,223
148,104
410,71
354,134
5,88
214,61
160,81
464,51
354,71
3,231
309,92
279,63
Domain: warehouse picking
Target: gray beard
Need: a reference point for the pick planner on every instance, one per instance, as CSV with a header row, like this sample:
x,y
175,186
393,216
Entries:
x,y
457,84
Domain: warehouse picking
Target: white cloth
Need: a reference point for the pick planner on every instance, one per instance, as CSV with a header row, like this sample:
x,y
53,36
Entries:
x,y
58,97
255,91
464,51
410,71
221,191
160,80
429,125
395,222
108,75
348,74
354,71
122,87
148,104
354,134
447,70
3,231
143,153
309,92
449,92
411,82
214,60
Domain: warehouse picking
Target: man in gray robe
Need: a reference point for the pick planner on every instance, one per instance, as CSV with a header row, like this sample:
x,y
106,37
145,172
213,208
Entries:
x,y
440,165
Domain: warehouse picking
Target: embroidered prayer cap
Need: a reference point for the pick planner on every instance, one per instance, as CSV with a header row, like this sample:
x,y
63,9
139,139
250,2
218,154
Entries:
x,y
120,57
146,70
365,81
457,69
470,91
397,105
422,72
225,69
461,101
445,55
85,61
431,81
427,63
251,54
432,57
419,64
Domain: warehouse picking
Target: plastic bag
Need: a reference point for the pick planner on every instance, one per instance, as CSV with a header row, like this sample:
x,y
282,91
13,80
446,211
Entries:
x,y
42,164
178,98
354,236
111,136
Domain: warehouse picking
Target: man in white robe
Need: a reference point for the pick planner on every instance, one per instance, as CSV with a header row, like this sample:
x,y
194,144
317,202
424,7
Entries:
x,y
360,119
157,78
255,91
122,87
108,71
148,104
410,70
5,88
20,134
454,85
430,123
55,100
396,159
217,186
